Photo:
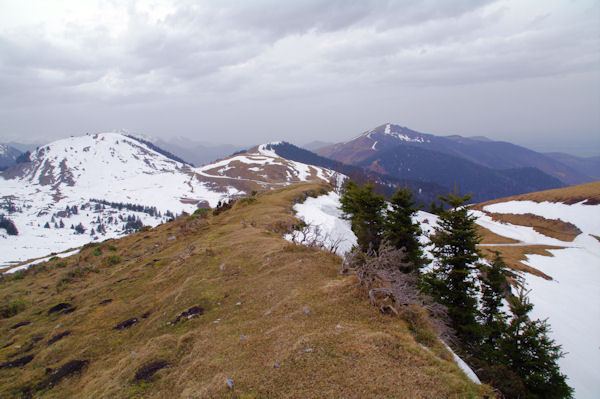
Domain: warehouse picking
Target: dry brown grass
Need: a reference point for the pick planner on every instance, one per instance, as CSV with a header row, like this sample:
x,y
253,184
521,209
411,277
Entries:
x,y
554,228
266,303
488,237
589,192
515,255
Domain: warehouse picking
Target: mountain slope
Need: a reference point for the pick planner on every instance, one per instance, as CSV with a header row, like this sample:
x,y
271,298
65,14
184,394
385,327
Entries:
x,y
416,163
555,236
277,320
424,191
8,156
492,154
110,184
587,165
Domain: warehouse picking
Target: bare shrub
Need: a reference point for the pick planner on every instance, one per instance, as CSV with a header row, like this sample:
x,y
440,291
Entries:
x,y
314,236
391,286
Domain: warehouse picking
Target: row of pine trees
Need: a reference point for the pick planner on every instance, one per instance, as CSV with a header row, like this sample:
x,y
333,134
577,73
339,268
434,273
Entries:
x,y
508,350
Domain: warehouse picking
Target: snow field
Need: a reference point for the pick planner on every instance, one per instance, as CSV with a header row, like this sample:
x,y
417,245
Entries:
x,y
571,300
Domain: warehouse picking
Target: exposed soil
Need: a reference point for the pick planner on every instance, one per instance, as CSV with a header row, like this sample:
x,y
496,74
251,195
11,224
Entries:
x,y
67,369
62,307
20,324
17,362
146,372
126,324
58,337
191,313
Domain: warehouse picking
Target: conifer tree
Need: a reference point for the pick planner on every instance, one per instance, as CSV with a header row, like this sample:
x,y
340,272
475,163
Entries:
x,y
364,209
456,255
79,229
528,351
494,319
400,229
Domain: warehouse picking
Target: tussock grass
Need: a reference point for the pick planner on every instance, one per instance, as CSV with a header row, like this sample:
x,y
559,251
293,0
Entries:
x,y
278,319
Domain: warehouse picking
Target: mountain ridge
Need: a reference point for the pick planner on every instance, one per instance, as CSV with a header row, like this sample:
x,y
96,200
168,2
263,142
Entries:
x,y
215,306
492,154
65,179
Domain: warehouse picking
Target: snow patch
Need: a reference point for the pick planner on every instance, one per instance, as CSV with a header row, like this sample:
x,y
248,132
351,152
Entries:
x,y
262,149
47,258
463,366
323,216
527,235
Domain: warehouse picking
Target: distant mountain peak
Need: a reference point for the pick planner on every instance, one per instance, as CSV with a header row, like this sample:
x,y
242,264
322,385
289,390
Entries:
x,y
481,151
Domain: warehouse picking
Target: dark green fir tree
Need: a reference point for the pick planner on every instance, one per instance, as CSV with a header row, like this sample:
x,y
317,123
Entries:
x,y
527,350
400,229
493,319
451,281
364,209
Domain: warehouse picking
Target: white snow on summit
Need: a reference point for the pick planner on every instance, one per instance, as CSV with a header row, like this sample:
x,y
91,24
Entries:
x,y
65,178
403,137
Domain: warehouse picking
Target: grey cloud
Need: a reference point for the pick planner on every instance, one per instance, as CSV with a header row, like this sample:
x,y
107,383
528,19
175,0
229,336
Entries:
x,y
206,60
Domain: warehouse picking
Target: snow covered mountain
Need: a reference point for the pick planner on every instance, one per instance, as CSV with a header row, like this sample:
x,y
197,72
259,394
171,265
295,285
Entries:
x,y
8,155
105,185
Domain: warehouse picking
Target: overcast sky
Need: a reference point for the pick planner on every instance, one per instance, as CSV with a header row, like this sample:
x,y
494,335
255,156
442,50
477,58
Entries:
x,y
253,71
